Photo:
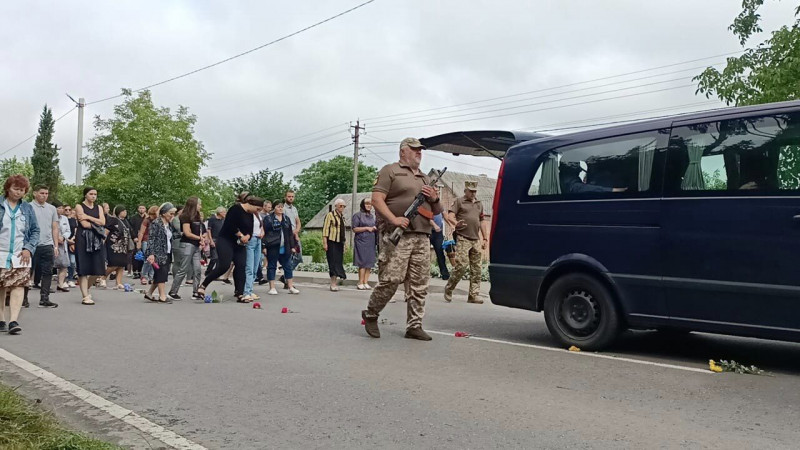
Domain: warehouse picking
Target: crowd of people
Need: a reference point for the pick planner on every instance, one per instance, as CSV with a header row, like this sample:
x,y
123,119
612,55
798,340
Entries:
x,y
90,245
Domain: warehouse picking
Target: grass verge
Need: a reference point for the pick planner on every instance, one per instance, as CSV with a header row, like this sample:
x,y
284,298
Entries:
x,y
24,426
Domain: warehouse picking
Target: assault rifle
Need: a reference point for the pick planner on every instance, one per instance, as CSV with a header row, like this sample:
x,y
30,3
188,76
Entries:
x,y
413,210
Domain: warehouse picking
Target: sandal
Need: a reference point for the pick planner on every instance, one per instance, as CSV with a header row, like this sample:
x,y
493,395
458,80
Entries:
x,y
149,297
334,288
242,299
87,301
164,300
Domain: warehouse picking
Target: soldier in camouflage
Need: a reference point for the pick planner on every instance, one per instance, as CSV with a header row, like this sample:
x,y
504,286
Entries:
x,y
467,218
409,262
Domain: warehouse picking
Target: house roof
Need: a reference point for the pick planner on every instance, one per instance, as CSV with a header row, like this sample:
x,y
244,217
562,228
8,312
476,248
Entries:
x,y
319,219
454,181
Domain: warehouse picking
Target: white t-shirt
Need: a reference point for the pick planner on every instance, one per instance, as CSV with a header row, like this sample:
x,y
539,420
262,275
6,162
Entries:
x,y
169,237
257,231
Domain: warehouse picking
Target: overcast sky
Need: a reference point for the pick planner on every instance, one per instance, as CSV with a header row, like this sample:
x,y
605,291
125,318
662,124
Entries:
x,y
387,58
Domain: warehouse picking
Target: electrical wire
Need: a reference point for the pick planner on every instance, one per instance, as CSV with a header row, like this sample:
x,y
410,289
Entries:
x,y
260,159
34,135
375,123
542,109
558,87
239,55
379,127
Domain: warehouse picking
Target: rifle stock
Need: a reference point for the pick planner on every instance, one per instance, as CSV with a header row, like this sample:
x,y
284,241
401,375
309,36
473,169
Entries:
x,y
412,210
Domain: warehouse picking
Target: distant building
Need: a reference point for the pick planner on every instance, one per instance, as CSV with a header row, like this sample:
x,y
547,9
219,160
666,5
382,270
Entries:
x,y
317,222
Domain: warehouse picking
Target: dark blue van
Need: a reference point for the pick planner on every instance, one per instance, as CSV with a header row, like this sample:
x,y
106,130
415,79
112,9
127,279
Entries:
x,y
687,223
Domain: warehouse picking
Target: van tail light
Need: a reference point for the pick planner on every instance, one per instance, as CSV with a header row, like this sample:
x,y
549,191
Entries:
x,y
496,202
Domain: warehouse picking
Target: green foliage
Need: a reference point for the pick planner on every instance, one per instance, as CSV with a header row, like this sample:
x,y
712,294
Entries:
x,y
312,245
348,255
45,155
264,183
22,426
69,194
789,168
145,154
323,180
765,73
733,366
714,181
13,166
214,192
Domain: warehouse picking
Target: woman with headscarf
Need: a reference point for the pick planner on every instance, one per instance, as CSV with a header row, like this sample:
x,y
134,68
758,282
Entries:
x,y
90,251
159,252
19,236
364,248
333,243
232,244
117,237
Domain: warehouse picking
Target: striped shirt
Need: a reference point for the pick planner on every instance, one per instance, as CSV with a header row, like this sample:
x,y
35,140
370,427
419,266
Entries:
x,y
333,229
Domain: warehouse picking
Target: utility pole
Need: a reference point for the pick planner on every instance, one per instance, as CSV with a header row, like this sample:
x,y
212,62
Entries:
x,y
81,104
358,129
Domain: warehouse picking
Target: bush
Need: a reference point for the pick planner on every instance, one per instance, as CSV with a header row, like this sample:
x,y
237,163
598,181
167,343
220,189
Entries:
x,y
312,246
348,255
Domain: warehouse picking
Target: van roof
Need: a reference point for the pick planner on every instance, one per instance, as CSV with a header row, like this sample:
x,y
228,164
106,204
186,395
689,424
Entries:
x,y
662,122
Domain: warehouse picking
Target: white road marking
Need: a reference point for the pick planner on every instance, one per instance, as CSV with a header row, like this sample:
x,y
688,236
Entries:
x,y
164,435
589,354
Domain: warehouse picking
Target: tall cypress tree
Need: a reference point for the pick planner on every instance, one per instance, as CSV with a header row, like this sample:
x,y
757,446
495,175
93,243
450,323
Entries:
x,y
45,155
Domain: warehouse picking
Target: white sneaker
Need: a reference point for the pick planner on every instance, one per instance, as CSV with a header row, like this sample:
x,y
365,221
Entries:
x,y
367,286
292,290
274,291
360,287
71,284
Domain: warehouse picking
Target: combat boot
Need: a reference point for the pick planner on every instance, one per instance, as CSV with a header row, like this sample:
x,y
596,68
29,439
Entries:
x,y
371,325
448,296
474,300
417,333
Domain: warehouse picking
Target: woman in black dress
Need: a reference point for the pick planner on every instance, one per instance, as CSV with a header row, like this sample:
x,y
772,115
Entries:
x,y
90,251
117,237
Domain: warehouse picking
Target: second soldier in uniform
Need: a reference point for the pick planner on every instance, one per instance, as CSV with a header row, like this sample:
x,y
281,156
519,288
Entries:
x,y
409,262
467,218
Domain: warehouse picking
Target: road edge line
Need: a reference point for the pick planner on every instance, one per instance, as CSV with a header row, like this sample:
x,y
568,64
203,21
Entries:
x,y
593,355
164,435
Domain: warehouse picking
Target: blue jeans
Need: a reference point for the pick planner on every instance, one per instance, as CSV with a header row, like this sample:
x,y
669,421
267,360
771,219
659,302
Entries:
x,y
274,256
147,269
253,260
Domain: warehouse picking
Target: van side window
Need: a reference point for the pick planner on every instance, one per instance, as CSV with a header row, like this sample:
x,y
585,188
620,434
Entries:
x,y
604,168
747,156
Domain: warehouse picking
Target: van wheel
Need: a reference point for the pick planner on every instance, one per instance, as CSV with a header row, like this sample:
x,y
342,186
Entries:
x,y
579,311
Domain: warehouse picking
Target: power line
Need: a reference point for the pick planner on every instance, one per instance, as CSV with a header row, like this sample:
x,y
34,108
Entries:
x,y
312,157
542,109
34,134
239,55
376,154
557,87
534,104
375,123
260,159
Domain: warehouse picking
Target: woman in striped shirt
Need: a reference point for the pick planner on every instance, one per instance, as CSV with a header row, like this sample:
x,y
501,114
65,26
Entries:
x,y
333,243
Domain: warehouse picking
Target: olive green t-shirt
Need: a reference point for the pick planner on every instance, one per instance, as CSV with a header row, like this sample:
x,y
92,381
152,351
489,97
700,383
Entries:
x,y
401,185
471,212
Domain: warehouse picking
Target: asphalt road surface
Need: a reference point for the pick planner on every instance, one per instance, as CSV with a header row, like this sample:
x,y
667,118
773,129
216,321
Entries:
x,y
228,376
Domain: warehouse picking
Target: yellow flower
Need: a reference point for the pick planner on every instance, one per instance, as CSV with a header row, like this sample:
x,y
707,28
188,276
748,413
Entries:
x,y
574,349
713,366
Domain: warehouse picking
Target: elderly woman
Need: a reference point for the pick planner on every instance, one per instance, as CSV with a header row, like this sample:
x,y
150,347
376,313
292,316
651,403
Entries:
x,y
117,237
333,243
159,252
19,236
364,248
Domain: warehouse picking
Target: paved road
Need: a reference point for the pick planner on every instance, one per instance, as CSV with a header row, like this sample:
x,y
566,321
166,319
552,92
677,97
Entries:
x,y
227,376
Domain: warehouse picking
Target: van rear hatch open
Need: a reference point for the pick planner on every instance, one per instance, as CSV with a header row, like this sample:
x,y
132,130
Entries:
x,y
492,143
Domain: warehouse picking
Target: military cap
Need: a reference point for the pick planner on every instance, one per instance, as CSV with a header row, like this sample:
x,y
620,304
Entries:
x,y
471,185
411,142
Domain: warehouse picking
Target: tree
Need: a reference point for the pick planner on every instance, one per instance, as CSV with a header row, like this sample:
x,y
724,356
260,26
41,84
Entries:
x,y
323,180
13,166
264,183
765,73
145,154
45,155
214,193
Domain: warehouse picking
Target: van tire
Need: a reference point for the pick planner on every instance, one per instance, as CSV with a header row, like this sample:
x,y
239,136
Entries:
x,y
579,310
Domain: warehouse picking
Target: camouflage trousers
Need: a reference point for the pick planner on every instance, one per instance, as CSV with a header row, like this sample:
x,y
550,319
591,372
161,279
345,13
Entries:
x,y
407,263
468,255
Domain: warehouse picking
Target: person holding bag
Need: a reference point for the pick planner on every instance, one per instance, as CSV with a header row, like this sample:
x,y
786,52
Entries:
x,y
159,252
279,243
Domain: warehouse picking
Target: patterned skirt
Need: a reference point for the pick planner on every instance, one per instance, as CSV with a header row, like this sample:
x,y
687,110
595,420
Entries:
x,y
12,278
